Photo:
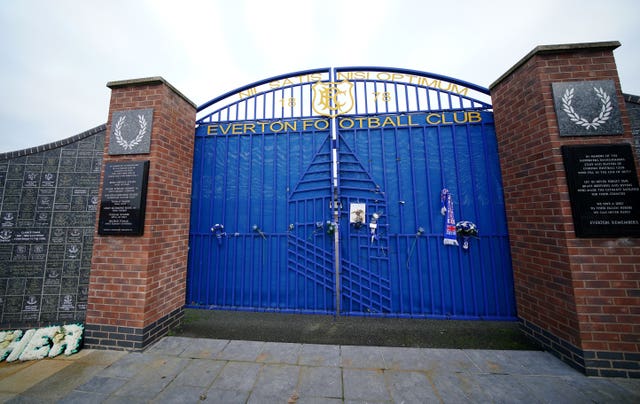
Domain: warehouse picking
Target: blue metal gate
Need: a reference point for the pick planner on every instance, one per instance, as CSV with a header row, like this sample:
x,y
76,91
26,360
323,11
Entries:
x,y
320,192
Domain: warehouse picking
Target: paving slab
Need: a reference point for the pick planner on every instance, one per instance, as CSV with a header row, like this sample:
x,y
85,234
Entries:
x,y
324,382
279,352
410,387
180,370
203,348
319,355
199,373
362,357
365,385
241,351
239,376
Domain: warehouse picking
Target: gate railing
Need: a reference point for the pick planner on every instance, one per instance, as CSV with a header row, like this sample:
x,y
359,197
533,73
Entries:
x,y
375,90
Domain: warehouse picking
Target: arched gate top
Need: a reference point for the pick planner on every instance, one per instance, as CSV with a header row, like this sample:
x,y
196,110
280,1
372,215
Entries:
x,y
346,91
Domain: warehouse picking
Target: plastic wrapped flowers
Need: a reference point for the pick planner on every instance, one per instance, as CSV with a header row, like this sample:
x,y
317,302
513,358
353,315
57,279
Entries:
x,y
466,229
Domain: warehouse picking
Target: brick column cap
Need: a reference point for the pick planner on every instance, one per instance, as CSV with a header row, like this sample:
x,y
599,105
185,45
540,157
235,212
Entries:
x,y
549,49
148,81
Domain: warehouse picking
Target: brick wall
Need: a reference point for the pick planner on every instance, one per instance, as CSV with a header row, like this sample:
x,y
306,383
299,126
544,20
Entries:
x,y
579,297
138,284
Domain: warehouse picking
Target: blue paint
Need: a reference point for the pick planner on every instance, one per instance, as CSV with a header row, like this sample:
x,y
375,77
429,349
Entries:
x,y
403,142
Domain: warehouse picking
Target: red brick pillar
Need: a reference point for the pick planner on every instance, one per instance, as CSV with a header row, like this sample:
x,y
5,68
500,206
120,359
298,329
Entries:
x,y
577,296
137,285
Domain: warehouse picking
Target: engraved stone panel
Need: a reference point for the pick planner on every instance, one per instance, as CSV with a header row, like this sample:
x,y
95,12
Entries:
x,y
48,206
603,190
131,132
587,108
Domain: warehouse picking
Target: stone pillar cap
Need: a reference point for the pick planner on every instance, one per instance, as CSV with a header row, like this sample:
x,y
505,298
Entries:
x,y
148,81
547,49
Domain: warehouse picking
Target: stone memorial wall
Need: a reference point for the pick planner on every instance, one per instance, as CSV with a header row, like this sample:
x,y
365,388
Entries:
x,y
48,201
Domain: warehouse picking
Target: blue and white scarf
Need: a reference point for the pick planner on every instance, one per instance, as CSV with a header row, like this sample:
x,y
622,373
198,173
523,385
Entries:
x,y
450,235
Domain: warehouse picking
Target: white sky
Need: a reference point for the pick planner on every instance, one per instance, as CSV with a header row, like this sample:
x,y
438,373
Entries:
x,y
57,56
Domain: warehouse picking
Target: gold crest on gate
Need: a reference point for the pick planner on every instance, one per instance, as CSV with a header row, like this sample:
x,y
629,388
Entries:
x,y
333,98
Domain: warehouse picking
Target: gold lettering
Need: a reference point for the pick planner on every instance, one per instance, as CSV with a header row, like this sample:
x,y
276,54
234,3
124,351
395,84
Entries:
x,y
262,126
373,122
462,91
463,120
291,126
389,121
430,122
361,121
410,121
352,76
249,127
225,129
248,93
212,129
236,129
306,123
276,126
317,125
346,123
474,116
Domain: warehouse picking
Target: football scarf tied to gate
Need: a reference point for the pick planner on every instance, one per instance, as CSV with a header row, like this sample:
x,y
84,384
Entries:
x,y
450,235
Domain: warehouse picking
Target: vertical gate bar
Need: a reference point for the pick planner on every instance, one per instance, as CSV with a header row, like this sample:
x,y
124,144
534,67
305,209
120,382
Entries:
x,y
224,201
448,251
395,97
415,217
215,140
335,197
288,216
467,127
400,208
458,187
425,137
234,256
500,239
263,243
492,215
274,203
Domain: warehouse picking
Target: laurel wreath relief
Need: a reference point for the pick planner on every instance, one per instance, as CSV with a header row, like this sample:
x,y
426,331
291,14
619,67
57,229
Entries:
x,y
605,111
118,135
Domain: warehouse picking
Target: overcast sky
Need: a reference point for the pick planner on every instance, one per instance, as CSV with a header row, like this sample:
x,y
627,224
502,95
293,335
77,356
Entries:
x,y
57,56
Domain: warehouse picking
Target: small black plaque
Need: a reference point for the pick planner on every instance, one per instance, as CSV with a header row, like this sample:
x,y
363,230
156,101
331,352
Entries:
x,y
603,189
124,194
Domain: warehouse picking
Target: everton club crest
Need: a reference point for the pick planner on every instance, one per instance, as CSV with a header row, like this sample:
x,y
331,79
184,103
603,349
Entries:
x,y
333,98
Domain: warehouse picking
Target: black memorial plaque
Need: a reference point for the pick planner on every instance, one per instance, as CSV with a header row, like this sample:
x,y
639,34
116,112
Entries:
x,y
603,189
124,194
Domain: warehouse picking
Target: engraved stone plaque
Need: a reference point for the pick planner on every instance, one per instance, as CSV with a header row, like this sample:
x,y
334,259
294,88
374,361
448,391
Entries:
x,y
587,108
131,132
124,194
603,190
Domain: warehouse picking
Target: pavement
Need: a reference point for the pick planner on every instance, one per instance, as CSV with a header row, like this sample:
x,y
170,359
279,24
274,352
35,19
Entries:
x,y
179,369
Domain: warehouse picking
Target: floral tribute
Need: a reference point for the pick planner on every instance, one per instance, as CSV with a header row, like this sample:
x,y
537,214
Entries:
x,y
40,343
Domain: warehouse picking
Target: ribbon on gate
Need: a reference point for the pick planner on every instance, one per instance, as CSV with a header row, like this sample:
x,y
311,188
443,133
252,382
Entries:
x,y
450,235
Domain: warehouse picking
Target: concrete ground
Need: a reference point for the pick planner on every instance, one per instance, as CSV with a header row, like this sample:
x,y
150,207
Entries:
x,y
236,357
371,331
195,370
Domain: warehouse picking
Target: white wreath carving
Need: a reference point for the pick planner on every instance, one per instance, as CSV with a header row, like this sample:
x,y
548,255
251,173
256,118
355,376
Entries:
x,y
118,135
605,111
